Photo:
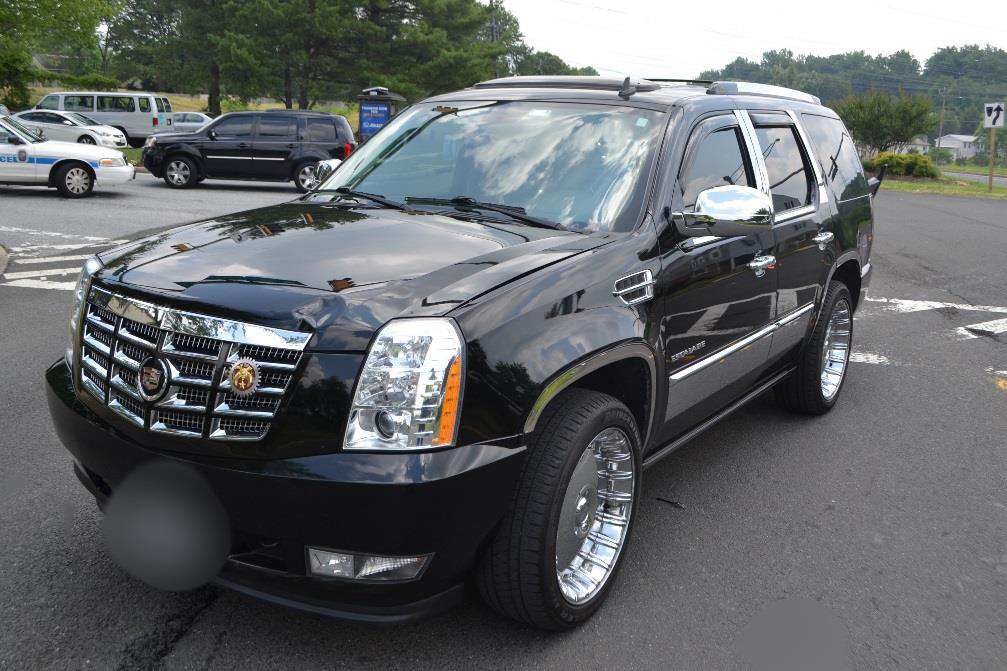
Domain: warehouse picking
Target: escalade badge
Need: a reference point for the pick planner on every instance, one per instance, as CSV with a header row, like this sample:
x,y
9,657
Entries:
x,y
152,380
244,377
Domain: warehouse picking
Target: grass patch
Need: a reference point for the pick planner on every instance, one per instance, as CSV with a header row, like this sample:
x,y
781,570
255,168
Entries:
x,y
975,169
944,186
132,155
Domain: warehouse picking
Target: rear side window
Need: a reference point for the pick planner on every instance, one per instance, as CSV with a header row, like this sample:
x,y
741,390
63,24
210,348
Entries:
x,y
837,156
320,130
116,104
789,174
144,104
159,102
167,104
272,127
78,103
235,126
717,161
49,103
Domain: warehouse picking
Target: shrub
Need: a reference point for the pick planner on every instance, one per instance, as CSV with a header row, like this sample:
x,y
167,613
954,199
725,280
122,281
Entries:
x,y
904,165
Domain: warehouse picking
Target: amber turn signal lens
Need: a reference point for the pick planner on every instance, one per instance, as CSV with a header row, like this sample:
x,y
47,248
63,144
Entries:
x,y
449,409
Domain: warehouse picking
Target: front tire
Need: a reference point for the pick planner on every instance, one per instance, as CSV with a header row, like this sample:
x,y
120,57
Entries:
x,y
86,139
814,387
180,172
74,180
554,557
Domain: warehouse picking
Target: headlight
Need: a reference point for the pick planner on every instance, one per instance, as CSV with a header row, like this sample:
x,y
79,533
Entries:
x,y
112,162
91,266
103,133
151,141
408,396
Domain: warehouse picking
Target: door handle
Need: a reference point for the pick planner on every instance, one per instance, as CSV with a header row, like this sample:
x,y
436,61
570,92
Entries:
x,y
823,239
242,145
760,264
291,146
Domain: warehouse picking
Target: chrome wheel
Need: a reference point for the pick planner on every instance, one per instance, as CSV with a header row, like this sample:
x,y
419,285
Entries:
x,y
77,181
178,173
594,519
86,139
836,349
306,177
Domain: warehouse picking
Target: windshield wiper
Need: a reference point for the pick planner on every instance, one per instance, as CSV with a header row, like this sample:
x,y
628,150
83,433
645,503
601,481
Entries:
x,y
511,211
373,197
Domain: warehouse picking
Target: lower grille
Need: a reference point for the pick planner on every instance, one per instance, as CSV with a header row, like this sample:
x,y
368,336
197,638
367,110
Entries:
x,y
194,353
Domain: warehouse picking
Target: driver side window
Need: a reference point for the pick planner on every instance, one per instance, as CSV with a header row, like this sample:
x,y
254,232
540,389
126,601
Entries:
x,y
719,159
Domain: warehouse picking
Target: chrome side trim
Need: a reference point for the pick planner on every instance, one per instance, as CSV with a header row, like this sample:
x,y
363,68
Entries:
x,y
754,152
866,269
641,280
566,378
722,353
823,195
794,214
786,319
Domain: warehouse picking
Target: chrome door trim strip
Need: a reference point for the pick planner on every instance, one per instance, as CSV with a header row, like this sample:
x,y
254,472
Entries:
x,y
754,152
739,344
267,158
823,196
794,214
235,158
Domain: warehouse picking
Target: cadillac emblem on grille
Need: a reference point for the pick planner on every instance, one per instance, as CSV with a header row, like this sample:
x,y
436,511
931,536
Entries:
x,y
152,380
244,377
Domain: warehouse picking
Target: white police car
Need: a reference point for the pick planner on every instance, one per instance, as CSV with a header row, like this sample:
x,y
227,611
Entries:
x,y
72,168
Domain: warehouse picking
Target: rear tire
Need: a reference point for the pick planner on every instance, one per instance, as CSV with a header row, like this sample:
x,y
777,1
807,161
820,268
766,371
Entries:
x,y
534,570
814,387
180,172
74,180
304,176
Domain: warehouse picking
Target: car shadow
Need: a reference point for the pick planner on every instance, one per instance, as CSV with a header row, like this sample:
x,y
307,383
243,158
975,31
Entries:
x,y
28,192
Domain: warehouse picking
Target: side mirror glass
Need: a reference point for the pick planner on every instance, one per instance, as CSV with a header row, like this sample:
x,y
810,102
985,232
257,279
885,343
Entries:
x,y
13,139
324,170
727,211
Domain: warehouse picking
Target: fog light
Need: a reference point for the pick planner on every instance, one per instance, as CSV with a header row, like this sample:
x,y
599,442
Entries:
x,y
330,564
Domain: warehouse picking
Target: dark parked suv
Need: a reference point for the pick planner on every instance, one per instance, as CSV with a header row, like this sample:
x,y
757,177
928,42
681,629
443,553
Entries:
x,y
277,145
457,355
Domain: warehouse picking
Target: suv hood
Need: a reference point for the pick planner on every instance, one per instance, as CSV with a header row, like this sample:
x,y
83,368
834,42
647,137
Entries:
x,y
340,272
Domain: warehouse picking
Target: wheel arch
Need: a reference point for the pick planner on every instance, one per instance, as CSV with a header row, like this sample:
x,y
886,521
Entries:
x,y
615,371
65,161
846,269
188,153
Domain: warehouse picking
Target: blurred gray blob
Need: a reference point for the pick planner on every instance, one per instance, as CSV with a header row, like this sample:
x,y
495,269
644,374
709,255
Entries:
x,y
795,635
165,526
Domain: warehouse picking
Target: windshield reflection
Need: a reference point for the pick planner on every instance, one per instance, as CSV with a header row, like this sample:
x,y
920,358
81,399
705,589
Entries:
x,y
584,166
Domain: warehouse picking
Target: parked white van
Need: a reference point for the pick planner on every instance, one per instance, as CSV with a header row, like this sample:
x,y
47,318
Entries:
x,y
137,115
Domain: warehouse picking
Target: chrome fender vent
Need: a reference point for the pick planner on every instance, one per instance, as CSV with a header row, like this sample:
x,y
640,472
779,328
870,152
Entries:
x,y
635,288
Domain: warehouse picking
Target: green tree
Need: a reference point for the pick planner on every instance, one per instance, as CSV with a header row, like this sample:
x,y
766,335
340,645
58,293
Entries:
x,y
881,121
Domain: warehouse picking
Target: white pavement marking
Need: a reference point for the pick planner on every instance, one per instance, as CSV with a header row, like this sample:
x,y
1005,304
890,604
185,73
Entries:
x,y
993,371
80,245
41,284
54,259
904,305
51,234
41,273
869,357
988,329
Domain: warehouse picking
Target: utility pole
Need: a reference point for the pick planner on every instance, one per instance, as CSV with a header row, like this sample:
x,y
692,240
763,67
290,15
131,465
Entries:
x,y
493,35
940,130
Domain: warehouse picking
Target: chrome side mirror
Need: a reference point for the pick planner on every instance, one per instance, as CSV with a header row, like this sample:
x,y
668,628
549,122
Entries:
x,y
726,211
323,169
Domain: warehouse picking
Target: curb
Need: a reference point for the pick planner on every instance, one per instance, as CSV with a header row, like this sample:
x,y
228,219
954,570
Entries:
x,y
4,256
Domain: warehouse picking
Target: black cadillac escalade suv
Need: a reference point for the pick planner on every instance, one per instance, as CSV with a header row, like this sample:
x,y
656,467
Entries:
x,y
456,356
273,145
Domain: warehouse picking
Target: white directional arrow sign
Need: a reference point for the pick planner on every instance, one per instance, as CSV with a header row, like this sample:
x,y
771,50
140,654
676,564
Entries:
x,y
994,115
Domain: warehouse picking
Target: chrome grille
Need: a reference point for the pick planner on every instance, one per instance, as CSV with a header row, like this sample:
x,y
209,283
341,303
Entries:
x,y
119,333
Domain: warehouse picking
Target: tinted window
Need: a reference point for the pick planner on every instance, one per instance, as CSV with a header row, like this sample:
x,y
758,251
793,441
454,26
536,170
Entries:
x,y
49,117
33,116
116,104
837,155
717,161
49,103
159,102
789,175
167,104
235,126
321,130
78,103
277,127
144,104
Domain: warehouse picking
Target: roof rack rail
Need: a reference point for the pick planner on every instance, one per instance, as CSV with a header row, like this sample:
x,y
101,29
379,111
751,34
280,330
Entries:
x,y
665,80
768,90
568,82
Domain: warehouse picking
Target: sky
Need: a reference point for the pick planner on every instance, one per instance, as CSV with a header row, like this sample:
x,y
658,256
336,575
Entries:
x,y
665,38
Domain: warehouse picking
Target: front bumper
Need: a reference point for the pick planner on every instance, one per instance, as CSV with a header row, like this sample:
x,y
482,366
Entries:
x,y
153,159
116,175
446,503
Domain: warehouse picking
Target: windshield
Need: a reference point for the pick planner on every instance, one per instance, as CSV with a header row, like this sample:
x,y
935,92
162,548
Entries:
x,y
80,118
26,133
582,166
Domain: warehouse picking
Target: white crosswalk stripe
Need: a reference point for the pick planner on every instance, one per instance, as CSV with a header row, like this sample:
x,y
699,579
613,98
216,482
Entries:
x,y
27,270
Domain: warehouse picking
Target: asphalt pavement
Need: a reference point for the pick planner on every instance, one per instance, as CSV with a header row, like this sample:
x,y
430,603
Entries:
x,y
874,537
983,179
